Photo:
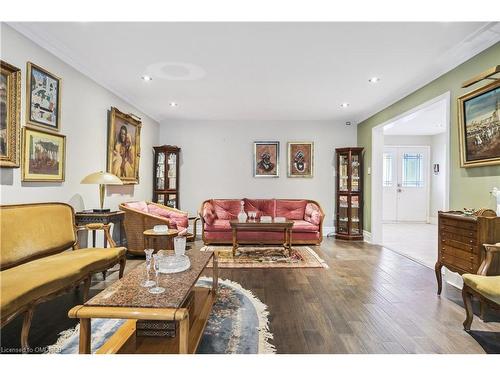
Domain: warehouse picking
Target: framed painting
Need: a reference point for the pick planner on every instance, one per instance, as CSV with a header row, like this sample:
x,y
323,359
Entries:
x,y
43,155
124,146
479,126
266,158
300,159
43,98
10,114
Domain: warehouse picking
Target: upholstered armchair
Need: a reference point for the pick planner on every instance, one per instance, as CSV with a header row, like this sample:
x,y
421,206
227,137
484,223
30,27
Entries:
x,y
486,288
140,216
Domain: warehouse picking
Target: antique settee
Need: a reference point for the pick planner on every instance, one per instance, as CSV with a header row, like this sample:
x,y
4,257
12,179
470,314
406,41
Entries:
x,y
307,216
140,216
34,263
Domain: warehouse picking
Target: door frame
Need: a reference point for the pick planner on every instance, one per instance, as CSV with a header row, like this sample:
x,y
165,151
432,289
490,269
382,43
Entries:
x,y
377,164
427,180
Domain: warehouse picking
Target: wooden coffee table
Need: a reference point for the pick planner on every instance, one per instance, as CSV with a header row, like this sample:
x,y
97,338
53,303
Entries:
x,y
127,299
256,226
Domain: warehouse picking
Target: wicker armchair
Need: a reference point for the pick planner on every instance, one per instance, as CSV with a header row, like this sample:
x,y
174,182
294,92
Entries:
x,y
137,221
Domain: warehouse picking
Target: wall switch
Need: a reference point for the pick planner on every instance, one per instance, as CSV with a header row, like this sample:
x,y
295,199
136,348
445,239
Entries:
x,y
369,171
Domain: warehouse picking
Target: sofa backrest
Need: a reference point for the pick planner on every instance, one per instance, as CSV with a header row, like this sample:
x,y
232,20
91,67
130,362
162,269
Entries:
x,y
293,209
226,209
31,231
263,207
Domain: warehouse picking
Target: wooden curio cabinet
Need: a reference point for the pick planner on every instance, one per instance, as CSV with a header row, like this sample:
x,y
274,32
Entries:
x,y
166,175
349,193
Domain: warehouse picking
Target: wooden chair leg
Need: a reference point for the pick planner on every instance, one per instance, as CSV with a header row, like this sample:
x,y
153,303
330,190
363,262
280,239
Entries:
x,y
104,273
25,331
86,288
439,277
123,261
467,297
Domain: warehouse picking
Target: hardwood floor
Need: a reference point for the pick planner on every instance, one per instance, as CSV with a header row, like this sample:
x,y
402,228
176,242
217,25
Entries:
x,y
370,300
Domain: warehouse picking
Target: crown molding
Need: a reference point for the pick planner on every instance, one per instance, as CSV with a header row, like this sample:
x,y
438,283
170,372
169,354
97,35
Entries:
x,y
62,52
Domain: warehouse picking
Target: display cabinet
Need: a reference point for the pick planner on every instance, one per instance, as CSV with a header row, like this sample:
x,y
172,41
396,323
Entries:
x,y
349,193
166,175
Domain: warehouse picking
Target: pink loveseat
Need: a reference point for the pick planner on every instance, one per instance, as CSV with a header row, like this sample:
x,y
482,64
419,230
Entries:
x,y
307,216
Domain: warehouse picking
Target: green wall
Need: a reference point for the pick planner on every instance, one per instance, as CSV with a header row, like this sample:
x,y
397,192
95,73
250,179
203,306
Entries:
x,y
469,187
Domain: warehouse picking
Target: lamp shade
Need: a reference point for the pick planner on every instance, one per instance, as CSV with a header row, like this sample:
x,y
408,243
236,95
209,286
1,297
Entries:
x,y
102,178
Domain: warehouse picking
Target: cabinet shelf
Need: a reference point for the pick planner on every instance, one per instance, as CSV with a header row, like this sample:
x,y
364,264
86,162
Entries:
x,y
349,193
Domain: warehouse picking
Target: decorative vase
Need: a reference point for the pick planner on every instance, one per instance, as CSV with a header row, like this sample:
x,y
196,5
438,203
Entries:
x,y
242,216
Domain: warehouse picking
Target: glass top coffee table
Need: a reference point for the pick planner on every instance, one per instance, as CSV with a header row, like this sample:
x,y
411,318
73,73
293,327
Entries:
x,y
127,299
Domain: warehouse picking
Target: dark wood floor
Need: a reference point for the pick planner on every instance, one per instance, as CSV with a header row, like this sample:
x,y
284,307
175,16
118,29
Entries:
x,y
370,300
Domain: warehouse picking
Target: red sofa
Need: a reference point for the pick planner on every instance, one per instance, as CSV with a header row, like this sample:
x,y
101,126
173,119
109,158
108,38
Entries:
x,y
307,215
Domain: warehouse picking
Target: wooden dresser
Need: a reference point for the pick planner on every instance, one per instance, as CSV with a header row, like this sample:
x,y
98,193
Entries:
x,y
460,243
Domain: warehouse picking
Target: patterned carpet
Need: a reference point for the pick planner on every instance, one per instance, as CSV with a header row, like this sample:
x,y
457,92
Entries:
x,y
238,324
267,257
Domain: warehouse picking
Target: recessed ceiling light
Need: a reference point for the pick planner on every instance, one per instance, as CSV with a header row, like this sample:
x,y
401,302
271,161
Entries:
x,y
147,78
374,80
173,104
344,105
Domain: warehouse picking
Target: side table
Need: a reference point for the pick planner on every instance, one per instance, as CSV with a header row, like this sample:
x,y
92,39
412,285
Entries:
x,y
152,239
114,217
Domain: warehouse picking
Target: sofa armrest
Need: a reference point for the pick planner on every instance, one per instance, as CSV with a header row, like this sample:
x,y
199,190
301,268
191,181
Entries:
x,y
491,251
97,226
207,213
313,214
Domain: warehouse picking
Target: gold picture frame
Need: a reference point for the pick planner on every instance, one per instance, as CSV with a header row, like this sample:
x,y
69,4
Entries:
x,y
43,98
300,163
10,114
479,136
44,155
124,146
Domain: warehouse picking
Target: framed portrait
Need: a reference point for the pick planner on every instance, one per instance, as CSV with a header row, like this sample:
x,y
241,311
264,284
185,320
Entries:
x,y
124,146
43,155
10,114
43,98
266,156
479,126
300,159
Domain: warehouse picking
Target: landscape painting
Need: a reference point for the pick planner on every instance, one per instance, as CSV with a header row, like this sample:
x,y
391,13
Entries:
x,y
266,158
480,126
10,114
124,146
43,155
300,159
43,98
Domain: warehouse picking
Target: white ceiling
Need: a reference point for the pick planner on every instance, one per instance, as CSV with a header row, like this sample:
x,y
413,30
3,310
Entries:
x,y
429,120
262,71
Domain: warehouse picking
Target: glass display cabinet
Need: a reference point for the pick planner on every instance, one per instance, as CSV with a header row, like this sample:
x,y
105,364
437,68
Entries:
x,y
166,175
349,193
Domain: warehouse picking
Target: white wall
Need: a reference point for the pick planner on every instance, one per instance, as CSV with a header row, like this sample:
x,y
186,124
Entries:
x,y
216,160
84,108
437,145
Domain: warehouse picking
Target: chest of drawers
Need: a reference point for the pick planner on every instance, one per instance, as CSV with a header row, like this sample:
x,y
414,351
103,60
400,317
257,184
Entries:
x,y
460,243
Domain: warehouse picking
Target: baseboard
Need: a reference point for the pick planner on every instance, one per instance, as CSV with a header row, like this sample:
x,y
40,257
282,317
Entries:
x,y
328,231
433,220
367,236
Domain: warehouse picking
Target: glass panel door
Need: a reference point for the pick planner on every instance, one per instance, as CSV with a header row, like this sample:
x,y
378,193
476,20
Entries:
x,y
160,171
343,172
343,214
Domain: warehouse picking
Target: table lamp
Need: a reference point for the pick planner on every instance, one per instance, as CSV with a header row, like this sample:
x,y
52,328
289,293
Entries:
x,y
102,179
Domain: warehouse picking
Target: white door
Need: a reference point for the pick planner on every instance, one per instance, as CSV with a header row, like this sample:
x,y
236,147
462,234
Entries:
x,y
406,183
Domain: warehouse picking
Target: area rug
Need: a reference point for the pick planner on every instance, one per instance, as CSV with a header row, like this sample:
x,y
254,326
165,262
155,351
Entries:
x,y
266,257
238,324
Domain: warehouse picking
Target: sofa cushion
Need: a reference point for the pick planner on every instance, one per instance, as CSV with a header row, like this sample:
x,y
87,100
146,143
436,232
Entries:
x,y
139,206
226,209
291,209
312,214
218,225
304,226
34,230
153,209
263,207
27,282
488,286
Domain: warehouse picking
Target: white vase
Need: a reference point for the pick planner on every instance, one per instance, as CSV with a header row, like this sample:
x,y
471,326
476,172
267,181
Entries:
x,y
242,216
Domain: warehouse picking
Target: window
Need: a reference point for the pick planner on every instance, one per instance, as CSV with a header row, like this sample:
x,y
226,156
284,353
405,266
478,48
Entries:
x,y
413,170
387,177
